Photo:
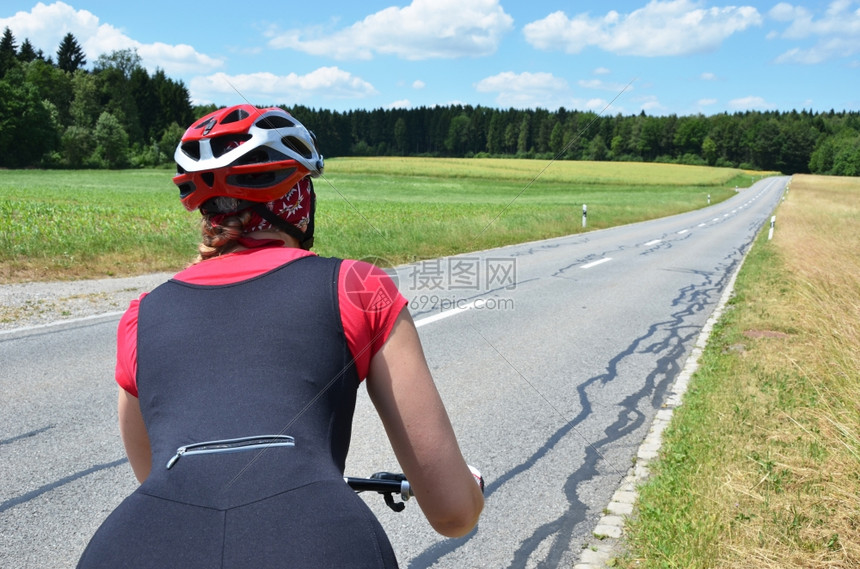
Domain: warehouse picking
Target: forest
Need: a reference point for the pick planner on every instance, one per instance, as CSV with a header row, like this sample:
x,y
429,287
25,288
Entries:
x,y
57,113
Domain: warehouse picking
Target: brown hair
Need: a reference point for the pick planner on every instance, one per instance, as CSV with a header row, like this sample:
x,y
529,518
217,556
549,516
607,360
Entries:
x,y
221,238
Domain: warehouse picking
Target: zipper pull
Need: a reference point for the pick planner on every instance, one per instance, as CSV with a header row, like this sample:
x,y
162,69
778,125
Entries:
x,y
179,452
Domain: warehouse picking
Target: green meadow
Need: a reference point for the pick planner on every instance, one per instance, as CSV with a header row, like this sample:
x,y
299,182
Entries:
x,y
96,223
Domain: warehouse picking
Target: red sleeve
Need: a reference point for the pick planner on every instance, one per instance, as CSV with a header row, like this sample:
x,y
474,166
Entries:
x,y
369,305
126,348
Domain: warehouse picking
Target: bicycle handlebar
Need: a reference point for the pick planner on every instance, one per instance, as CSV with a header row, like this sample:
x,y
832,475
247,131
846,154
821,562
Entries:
x,y
385,483
389,483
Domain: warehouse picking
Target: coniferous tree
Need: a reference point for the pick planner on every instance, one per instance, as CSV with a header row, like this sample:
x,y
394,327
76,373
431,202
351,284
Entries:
x,y
27,53
70,56
8,51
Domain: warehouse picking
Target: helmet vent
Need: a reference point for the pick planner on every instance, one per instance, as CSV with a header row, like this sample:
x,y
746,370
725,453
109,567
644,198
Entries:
x,y
208,178
185,189
258,156
192,149
274,122
260,179
297,146
236,116
224,144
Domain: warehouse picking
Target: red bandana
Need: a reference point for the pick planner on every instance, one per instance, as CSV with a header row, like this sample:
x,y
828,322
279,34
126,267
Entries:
x,y
294,208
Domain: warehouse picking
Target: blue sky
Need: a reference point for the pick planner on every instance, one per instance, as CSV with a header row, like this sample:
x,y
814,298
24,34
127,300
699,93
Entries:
x,y
663,57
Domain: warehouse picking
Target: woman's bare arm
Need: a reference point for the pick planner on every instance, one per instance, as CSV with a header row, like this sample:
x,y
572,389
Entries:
x,y
402,389
134,436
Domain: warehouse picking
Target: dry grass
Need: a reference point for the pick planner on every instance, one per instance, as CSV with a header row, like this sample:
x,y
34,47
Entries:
x,y
761,465
810,427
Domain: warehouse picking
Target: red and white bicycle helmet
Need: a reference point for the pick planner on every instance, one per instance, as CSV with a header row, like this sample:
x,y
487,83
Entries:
x,y
245,153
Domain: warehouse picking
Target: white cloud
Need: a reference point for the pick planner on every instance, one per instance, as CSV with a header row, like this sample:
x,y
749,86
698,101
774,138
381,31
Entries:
x,y
177,59
401,104
837,31
661,28
601,71
650,103
706,102
426,29
603,85
526,90
46,25
707,76
323,83
785,12
838,19
596,105
751,103
590,83
535,90
418,84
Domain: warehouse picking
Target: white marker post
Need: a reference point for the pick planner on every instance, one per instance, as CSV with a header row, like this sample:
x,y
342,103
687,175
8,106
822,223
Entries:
x,y
709,199
584,214
770,233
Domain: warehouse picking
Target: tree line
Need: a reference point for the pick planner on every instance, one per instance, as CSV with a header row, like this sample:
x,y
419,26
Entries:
x,y
57,114
792,142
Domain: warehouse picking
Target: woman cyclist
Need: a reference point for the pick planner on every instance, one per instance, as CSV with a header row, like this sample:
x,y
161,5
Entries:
x,y
238,378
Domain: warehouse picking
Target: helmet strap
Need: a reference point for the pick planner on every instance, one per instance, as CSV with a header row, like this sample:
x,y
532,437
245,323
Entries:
x,y
305,238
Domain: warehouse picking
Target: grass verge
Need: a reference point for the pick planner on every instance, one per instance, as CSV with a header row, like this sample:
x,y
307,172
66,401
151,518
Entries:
x,y
760,467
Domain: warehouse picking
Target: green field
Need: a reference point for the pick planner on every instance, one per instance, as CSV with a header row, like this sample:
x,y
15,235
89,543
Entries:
x,y
86,224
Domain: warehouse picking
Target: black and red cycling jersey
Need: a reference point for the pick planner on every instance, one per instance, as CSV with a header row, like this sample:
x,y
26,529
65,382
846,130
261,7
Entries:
x,y
246,368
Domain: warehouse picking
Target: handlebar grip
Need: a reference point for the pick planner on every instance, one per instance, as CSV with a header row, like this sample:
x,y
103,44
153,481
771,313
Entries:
x,y
382,483
385,483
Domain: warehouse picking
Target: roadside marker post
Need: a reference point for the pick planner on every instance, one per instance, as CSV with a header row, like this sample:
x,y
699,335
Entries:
x,y
584,214
772,223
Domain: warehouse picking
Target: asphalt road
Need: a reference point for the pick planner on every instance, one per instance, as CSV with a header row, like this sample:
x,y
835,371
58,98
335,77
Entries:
x,y
552,358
